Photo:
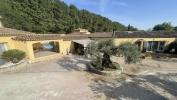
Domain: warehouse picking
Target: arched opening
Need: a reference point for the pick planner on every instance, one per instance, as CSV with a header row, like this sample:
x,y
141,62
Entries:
x,y
139,43
79,46
45,49
78,49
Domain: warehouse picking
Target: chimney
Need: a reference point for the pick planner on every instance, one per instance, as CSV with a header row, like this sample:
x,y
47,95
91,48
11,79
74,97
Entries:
x,y
1,26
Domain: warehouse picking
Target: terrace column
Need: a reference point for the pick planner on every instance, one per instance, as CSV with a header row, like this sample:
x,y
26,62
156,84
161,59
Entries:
x,y
141,47
30,52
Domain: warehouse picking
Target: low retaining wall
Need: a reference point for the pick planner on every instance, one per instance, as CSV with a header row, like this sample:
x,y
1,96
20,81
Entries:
x,y
10,67
90,68
44,58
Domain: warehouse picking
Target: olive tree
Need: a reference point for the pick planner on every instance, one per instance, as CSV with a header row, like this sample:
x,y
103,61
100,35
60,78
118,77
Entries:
x,y
130,52
100,53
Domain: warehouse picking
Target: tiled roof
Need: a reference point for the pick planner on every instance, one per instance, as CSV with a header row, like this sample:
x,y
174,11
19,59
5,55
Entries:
x,y
28,36
101,35
93,35
12,32
145,35
36,37
128,35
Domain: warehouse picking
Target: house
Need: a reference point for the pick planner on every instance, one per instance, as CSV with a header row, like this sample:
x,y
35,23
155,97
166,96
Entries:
x,y
81,31
42,46
147,41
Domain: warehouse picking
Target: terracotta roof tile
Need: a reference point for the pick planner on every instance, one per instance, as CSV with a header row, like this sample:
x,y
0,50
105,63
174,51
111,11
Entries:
x,y
12,32
93,35
145,35
28,36
36,37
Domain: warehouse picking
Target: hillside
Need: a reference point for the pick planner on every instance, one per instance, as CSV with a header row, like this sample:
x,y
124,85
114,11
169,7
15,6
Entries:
x,y
52,16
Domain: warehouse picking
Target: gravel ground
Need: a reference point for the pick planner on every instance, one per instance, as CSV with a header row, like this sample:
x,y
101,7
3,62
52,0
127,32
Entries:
x,y
156,80
64,79
58,79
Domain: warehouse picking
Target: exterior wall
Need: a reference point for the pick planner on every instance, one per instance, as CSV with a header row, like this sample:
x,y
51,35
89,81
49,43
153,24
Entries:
x,y
64,47
9,41
21,45
119,41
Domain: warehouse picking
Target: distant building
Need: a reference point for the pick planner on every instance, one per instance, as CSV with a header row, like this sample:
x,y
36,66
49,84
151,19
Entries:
x,y
80,30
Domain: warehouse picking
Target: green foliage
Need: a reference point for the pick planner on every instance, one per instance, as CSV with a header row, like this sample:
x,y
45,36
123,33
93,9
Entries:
x,y
102,46
100,53
115,65
131,28
52,16
163,27
172,48
13,55
130,52
92,50
106,46
97,62
175,29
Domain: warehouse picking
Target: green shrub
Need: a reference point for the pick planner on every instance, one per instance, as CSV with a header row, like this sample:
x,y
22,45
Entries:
x,y
100,53
115,66
97,63
13,55
130,52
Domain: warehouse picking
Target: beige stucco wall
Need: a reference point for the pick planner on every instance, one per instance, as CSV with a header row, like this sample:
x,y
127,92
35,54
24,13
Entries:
x,y
27,46
119,41
21,45
8,41
64,47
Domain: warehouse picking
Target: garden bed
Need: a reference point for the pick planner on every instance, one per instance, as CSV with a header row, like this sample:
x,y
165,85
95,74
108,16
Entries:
x,y
92,69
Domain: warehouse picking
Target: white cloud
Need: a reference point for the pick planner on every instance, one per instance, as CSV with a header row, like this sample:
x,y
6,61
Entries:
x,y
119,3
103,4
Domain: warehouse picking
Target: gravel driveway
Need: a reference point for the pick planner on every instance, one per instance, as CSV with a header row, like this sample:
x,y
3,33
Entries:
x,y
64,79
57,79
156,81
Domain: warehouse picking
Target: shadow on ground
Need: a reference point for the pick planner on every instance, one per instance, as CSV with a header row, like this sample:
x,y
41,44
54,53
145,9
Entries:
x,y
150,87
64,64
73,63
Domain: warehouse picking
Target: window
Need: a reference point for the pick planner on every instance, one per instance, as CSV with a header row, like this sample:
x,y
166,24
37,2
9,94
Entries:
x,y
161,46
149,46
3,47
155,46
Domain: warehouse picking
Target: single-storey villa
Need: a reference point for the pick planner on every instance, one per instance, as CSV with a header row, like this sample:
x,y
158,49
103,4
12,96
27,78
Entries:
x,y
40,46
